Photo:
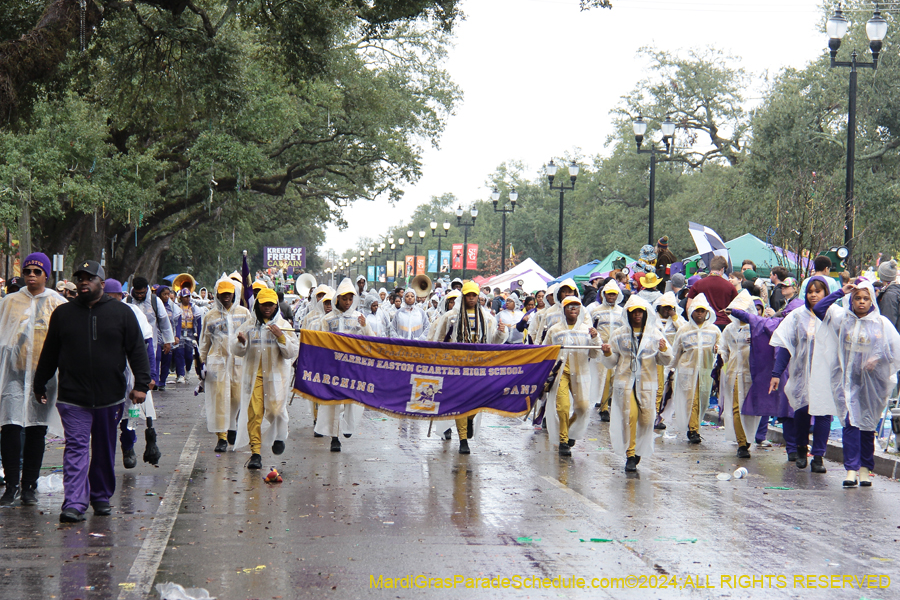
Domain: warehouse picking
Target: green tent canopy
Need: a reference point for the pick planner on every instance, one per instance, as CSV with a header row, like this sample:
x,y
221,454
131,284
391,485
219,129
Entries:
x,y
766,256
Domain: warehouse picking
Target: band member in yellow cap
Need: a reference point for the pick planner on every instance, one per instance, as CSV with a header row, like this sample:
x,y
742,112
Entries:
x,y
223,369
606,316
574,381
474,324
634,352
268,345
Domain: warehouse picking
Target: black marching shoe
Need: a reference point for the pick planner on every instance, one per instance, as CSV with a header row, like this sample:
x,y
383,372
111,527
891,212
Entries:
x,y
277,447
565,449
464,446
802,457
10,495
447,434
29,495
571,443
817,466
743,451
604,416
101,509
347,435
70,515
255,462
792,457
232,436
221,446
129,458
335,444
694,437
659,426
631,464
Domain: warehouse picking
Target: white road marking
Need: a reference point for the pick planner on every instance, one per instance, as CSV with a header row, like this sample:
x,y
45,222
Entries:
x,y
574,494
143,570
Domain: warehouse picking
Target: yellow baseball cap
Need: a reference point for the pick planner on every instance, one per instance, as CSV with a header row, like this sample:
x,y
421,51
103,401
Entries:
x,y
225,286
266,295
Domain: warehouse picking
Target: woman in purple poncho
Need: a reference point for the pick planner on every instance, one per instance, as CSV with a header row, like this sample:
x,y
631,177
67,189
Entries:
x,y
760,402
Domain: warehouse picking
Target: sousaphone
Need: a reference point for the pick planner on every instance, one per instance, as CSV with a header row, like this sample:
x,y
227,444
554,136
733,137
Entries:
x,y
422,285
185,280
304,284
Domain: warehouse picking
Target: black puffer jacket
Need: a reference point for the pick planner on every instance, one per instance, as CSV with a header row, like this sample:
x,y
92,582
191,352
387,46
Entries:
x,y
89,346
889,304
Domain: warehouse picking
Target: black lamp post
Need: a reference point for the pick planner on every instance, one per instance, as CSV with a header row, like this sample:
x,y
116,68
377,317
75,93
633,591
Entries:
x,y
459,223
434,233
415,244
495,197
562,187
668,130
876,30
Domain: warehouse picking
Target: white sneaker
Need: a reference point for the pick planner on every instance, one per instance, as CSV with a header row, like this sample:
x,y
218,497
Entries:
x,y
764,444
180,379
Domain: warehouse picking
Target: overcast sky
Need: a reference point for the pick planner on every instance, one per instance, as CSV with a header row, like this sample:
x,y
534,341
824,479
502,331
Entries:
x,y
540,78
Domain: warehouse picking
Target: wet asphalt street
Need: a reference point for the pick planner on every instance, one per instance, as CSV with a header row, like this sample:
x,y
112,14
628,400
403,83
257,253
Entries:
x,y
398,504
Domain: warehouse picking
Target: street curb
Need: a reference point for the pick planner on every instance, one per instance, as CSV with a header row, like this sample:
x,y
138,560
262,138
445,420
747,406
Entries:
x,y
886,465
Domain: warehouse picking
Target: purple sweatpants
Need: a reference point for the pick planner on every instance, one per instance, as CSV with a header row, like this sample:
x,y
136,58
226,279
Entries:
x,y
796,431
859,448
89,459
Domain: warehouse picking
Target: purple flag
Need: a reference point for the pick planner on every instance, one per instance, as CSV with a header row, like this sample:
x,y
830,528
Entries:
x,y
245,282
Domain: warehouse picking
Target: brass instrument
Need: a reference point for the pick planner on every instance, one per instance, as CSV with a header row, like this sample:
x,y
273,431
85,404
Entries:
x,y
422,285
185,280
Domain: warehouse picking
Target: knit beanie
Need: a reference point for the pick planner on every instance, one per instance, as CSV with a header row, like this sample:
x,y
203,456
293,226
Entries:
x,y
677,281
663,242
887,271
39,259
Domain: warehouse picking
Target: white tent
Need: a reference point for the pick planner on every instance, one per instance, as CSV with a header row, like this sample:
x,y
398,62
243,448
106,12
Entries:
x,y
531,274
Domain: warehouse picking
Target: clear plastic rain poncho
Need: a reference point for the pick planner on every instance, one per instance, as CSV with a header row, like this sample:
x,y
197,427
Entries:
x,y
334,419
669,326
23,329
605,318
580,369
734,349
263,349
536,327
860,355
554,314
634,370
409,322
313,319
373,319
797,333
223,369
511,318
446,320
693,358
146,408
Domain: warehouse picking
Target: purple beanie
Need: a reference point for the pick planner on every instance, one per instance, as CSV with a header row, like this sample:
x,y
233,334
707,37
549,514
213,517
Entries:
x,y
38,259
693,279
112,286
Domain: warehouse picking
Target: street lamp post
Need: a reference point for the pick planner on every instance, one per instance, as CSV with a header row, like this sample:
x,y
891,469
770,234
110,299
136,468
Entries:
x,y
550,169
668,130
415,244
495,197
439,236
401,241
459,223
876,30
353,264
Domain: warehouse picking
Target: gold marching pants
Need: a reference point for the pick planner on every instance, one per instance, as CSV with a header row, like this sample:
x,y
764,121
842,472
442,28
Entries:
x,y
633,415
694,422
736,414
234,407
255,412
563,404
607,392
661,389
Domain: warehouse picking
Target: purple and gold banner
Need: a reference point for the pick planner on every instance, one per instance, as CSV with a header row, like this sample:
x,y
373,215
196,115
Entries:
x,y
424,380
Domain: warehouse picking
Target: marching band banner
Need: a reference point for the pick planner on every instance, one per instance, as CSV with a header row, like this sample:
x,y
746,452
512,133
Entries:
x,y
421,380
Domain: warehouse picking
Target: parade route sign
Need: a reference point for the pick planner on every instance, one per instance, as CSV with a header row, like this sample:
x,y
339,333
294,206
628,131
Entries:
x,y
284,258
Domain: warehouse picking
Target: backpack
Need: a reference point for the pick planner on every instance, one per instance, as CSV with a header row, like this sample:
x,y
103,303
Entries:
x,y
152,303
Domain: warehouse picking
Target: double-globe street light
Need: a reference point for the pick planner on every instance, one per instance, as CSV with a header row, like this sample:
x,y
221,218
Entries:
x,y
550,170
439,237
668,130
495,197
459,223
876,30
415,244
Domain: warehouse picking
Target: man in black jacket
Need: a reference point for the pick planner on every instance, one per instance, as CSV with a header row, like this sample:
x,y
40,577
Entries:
x,y
88,342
